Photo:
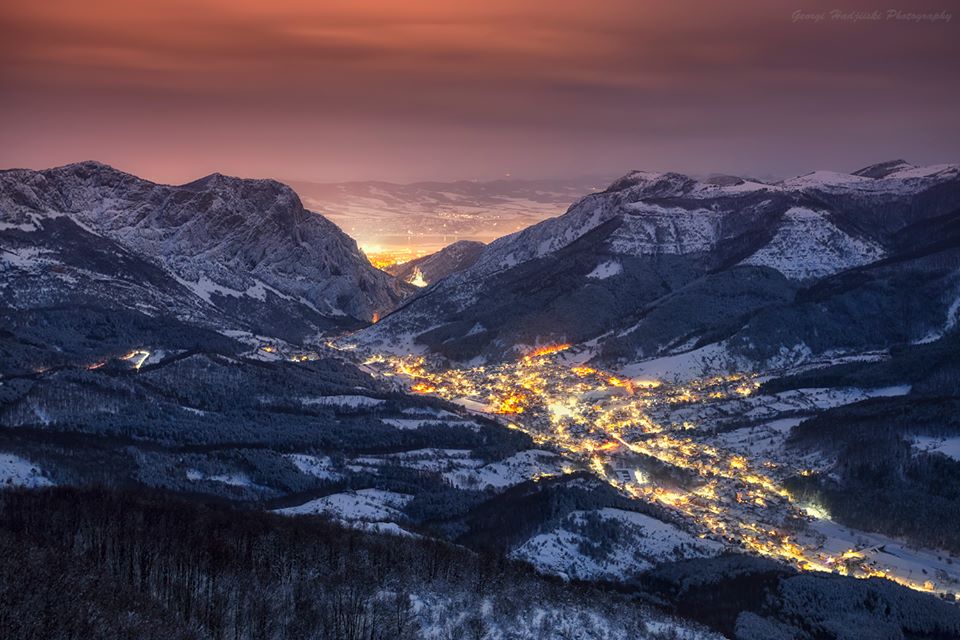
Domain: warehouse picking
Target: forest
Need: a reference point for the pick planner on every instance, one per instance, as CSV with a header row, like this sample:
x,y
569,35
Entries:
x,y
145,565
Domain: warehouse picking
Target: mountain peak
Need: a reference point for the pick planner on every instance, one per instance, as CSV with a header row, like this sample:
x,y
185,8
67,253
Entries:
x,y
87,168
651,179
219,180
431,268
221,235
724,180
464,244
89,164
883,169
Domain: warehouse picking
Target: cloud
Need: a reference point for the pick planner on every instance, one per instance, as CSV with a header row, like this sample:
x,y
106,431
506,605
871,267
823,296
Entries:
x,y
612,74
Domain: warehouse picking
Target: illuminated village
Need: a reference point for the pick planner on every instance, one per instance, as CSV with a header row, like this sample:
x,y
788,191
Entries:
x,y
626,432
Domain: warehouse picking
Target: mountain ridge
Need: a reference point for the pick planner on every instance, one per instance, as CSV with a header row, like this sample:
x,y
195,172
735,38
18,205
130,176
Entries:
x,y
672,231
221,237
436,266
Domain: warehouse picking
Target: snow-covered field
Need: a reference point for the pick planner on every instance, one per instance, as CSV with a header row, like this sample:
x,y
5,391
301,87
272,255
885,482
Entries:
x,y
764,441
369,505
814,399
682,367
317,466
235,479
606,270
372,510
433,460
906,561
949,447
641,543
352,401
520,467
416,423
18,472
773,407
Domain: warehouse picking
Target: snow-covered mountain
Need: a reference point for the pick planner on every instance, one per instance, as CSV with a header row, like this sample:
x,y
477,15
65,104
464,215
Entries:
x,y
669,213
654,242
219,246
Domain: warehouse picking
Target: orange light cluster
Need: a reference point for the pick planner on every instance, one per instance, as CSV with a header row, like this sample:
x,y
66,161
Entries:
x,y
511,404
624,384
547,350
384,258
387,259
423,387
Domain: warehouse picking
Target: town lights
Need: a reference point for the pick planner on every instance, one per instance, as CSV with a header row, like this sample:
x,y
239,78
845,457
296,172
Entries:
x,y
584,414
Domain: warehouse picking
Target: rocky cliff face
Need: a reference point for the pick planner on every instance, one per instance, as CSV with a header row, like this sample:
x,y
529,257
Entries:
x,y
242,247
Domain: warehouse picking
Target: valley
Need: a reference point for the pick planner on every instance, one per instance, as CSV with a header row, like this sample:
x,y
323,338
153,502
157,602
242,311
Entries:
x,y
712,450
479,321
677,389
677,444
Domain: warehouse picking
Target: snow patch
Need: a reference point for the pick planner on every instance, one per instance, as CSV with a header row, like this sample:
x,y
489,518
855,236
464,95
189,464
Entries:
x,y
656,230
508,472
343,401
642,543
23,258
205,288
231,479
476,329
367,505
433,460
412,423
936,170
949,447
317,466
606,270
682,367
19,472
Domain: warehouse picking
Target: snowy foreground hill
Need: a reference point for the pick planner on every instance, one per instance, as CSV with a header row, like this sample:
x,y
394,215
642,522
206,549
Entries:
x,y
748,431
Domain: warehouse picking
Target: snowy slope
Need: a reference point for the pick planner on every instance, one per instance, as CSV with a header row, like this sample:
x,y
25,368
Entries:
x,y
808,245
606,270
651,230
17,472
367,505
641,542
583,216
520,467
949,447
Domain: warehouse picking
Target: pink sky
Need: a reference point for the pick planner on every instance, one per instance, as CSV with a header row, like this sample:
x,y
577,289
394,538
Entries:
x,y
410,90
